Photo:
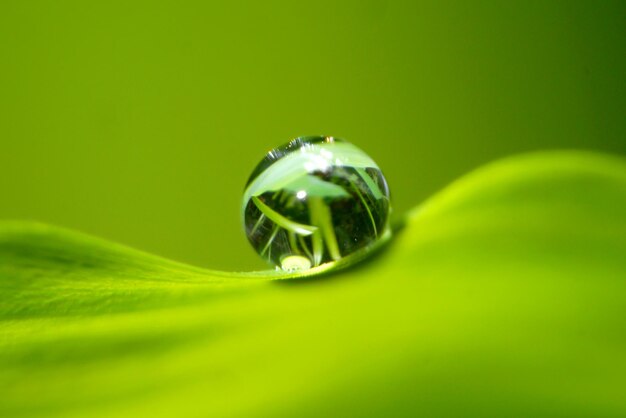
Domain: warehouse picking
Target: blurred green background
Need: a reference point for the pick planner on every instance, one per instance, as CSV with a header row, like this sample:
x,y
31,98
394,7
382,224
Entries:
x,y
140,121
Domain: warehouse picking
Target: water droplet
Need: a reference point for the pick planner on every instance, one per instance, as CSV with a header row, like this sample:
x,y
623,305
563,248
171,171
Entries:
x,y
314,200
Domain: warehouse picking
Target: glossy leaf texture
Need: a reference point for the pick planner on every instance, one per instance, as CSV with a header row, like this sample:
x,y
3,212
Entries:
x,y
503,295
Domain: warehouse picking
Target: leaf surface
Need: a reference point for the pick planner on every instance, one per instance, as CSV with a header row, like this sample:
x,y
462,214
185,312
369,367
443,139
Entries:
x,y
503,295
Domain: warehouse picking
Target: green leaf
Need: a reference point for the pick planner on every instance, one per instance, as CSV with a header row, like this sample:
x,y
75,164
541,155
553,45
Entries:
x,y
316,187
294,166
281,221
503,295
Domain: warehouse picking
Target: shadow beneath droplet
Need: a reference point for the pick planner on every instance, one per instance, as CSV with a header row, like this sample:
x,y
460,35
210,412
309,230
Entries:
x,y
323,277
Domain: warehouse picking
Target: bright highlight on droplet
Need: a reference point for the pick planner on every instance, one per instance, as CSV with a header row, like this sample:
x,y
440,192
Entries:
x,y
320,204
295,262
